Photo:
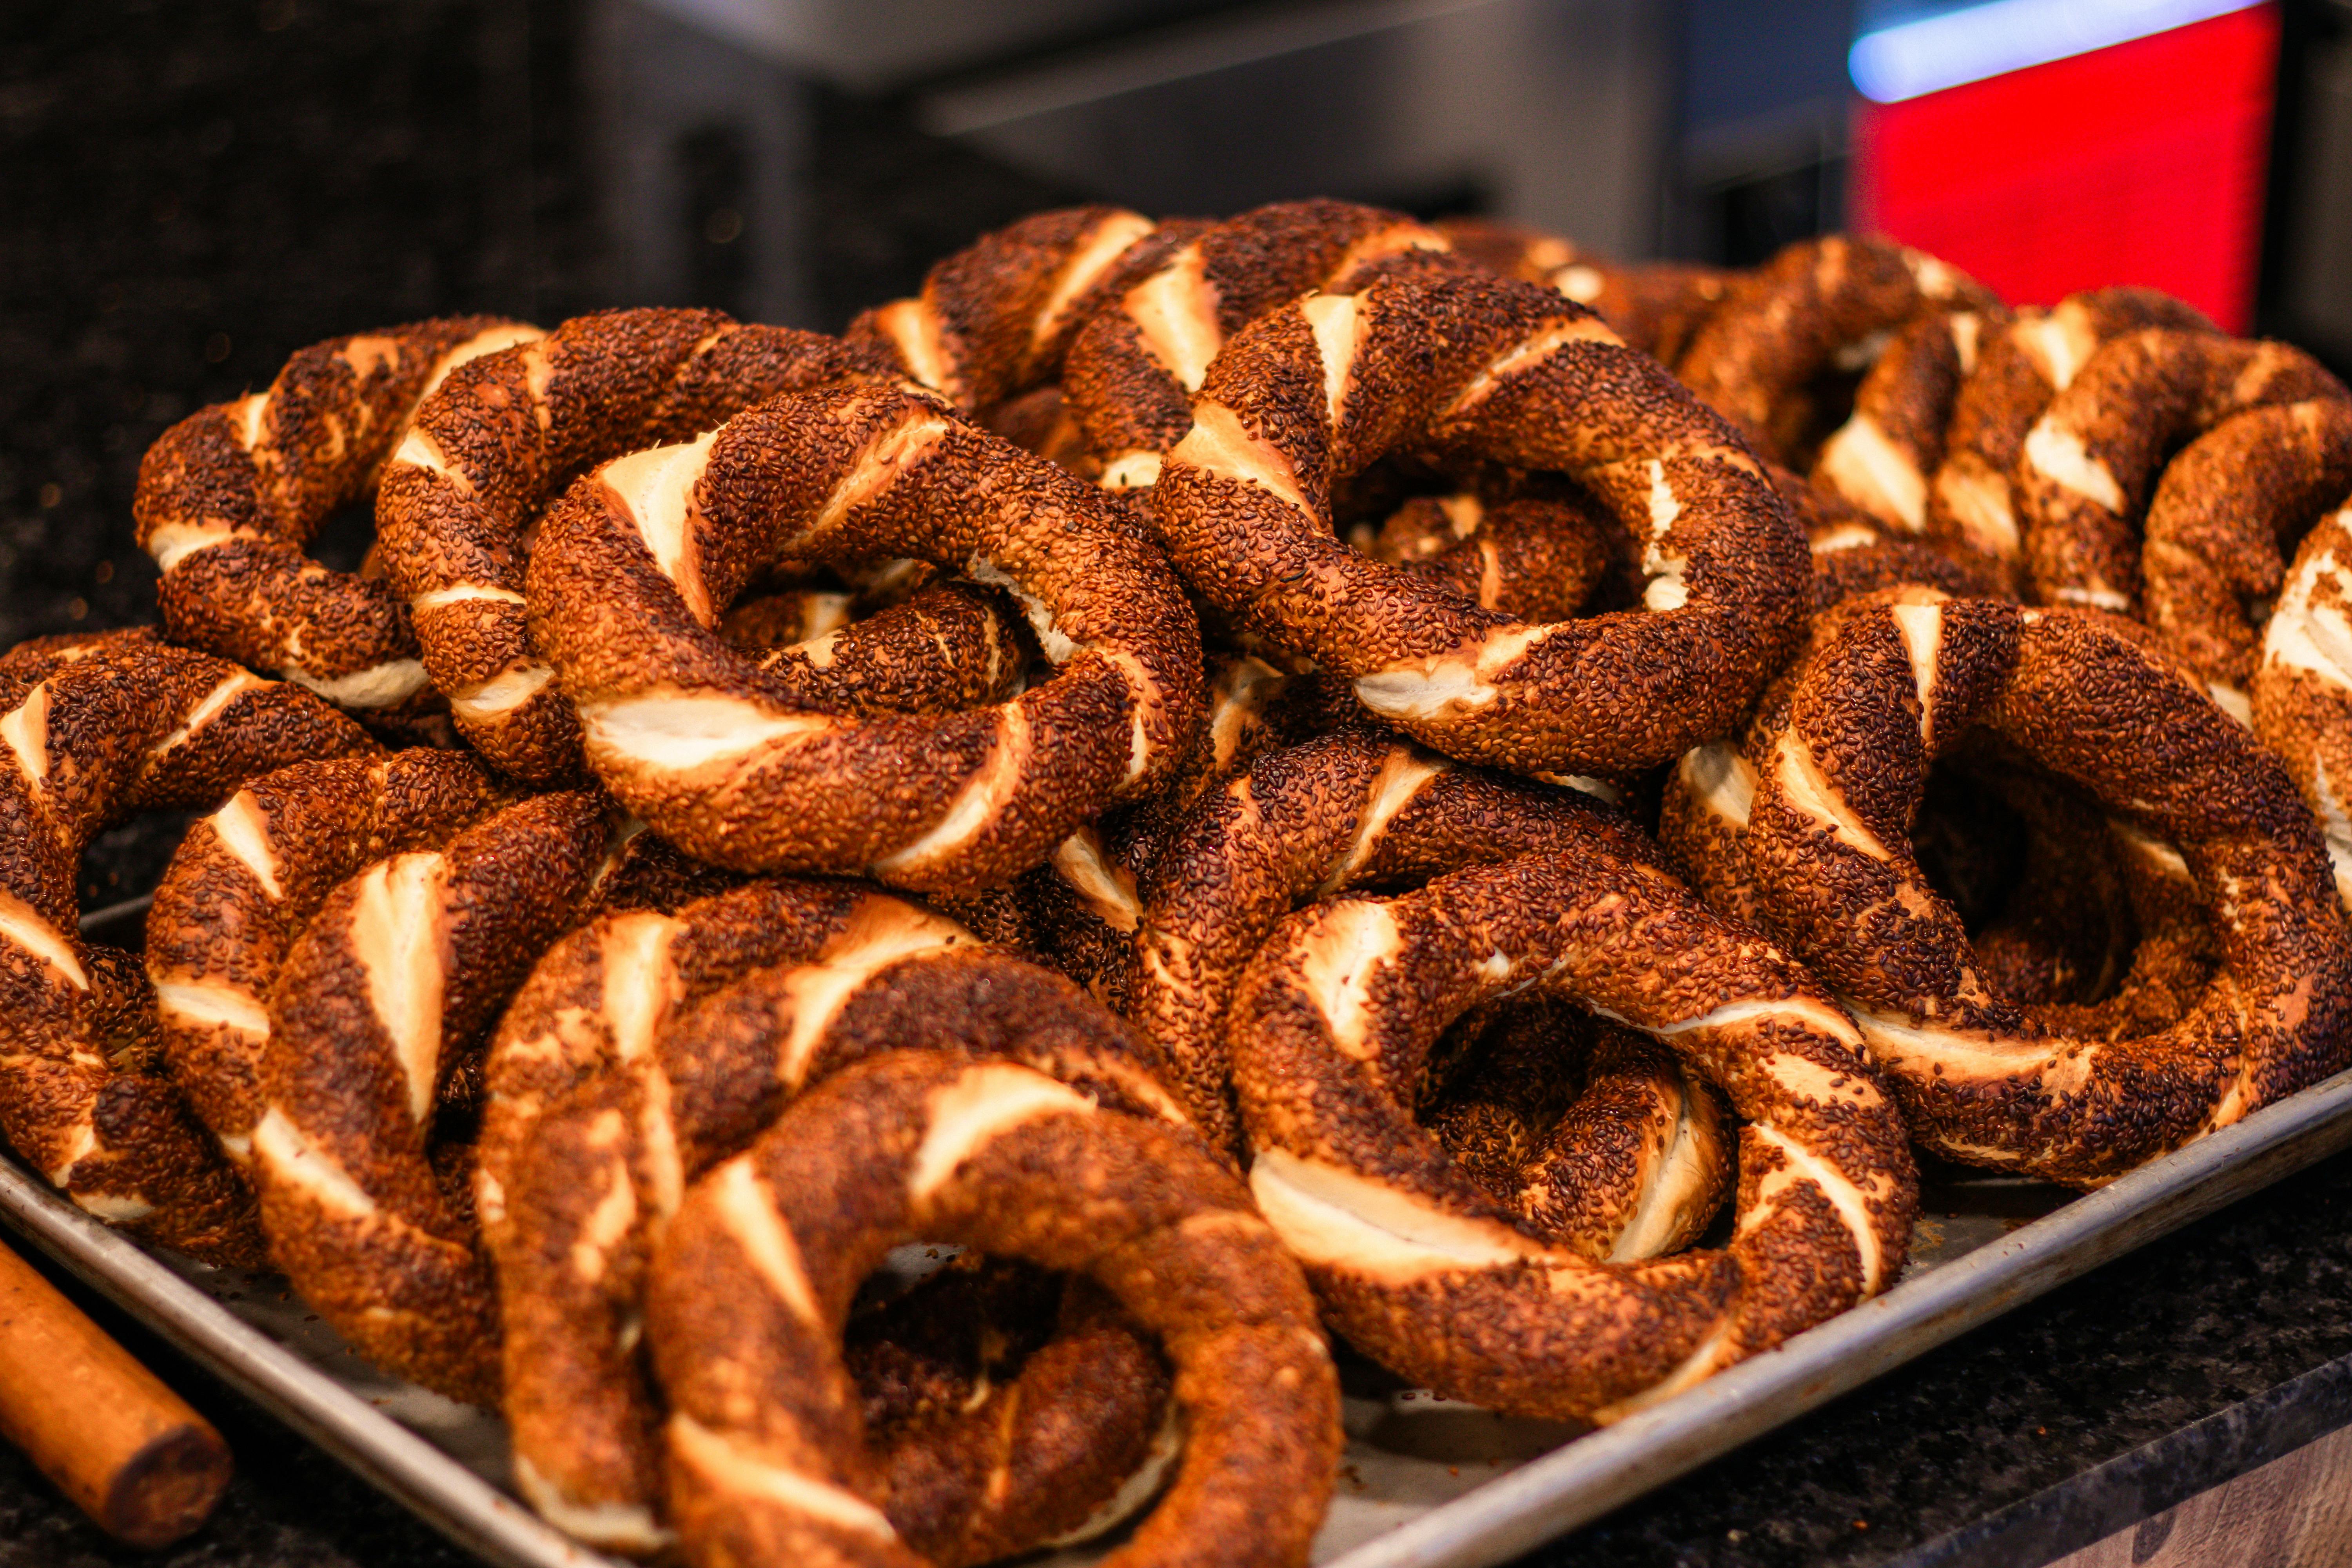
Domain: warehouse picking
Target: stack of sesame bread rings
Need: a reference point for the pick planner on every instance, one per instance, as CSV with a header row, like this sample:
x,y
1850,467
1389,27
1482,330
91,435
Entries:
x,y
885,939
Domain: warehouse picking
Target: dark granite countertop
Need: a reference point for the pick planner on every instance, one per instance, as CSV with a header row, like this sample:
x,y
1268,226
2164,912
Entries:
x,y
193,190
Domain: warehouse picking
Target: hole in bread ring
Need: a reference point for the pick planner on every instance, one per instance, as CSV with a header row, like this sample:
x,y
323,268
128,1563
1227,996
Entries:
x,y
1838,770
94,731
1437,1279
733,766
990,1155
1335,812
1515,374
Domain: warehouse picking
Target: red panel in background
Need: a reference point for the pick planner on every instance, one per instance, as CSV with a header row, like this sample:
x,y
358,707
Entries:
x,y
2138,164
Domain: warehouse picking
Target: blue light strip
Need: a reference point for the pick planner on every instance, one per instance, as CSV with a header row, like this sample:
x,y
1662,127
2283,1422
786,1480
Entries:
x,y
1937,52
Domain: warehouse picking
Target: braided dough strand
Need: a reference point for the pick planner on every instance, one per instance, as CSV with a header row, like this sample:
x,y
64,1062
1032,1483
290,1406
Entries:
x,y
229,496
1655,306
1439,1279
1817,304
996,318
96,731
2223,511
1303,822
754,1280
636,563
1317,390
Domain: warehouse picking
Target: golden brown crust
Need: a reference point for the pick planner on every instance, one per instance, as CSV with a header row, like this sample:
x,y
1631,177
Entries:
x,y
1478,366
994,1156
2018,369
1655,306
378,1005
1427,1271
1881,457
1355,808
996,318
2087,467
228,498
2213,559
507,433
736,767
643,1048
1134,366
247,880
1790,320
2303,687
99,730
1856,553
1835,776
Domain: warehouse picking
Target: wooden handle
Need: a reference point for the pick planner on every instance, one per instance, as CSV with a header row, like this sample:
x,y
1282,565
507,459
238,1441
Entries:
x,y
127,1450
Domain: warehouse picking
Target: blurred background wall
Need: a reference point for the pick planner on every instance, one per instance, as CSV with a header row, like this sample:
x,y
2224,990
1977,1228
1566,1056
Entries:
x,y
194,187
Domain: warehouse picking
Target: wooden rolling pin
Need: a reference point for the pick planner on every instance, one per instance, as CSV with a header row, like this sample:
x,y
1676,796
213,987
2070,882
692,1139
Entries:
x,y
128,1450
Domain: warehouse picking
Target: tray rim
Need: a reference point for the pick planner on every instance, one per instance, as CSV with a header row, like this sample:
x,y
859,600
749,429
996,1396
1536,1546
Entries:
x,y
1512,1514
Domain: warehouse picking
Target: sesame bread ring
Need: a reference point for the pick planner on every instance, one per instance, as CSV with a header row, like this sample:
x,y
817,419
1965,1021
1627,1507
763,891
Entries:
x,y
1354,808
2211,557
380,1003
2020,367
503,437
755,1276
1984,1079
2303,687
635,565
1881,457
1653,306
2089,464
1513,375
229,497
1130,374
248,879
1437,1279
1820,305
996,318
649,1047
96,731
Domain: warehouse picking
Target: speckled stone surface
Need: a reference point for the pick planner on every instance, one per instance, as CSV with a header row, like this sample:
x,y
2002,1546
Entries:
x,y
194,189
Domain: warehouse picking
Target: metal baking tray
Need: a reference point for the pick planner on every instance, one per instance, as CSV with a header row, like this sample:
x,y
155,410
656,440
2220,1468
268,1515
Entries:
x,y
1425,1482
